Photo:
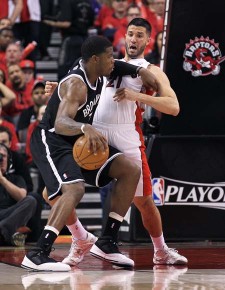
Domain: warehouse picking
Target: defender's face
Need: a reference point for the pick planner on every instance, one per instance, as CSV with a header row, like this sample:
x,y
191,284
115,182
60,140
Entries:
x,y
106,62
136,40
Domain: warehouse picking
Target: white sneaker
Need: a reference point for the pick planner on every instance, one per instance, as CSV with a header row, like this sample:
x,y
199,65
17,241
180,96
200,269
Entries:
x,y
78,249
38,260
168,256
106,249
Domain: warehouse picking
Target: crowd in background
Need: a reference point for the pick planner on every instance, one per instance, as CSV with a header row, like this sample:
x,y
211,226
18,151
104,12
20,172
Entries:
x,y
25,33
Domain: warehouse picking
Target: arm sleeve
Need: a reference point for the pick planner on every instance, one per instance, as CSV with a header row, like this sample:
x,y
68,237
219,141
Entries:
x,y
122,68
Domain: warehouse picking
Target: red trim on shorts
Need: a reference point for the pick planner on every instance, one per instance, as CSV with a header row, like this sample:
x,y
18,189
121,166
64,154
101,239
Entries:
x,y
147,184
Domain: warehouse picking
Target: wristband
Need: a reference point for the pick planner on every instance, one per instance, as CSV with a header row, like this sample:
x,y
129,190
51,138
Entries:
x,y
82,128
138,69
122,68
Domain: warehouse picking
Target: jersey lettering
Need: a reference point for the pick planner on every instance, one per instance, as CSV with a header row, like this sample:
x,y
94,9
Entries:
x,y
88,110
115,80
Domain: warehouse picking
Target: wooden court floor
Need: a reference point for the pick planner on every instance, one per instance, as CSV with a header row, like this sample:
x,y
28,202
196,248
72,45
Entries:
x,y
205,270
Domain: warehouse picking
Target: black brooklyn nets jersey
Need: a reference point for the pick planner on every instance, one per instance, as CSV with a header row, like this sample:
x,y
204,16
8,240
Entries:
x,y
85,112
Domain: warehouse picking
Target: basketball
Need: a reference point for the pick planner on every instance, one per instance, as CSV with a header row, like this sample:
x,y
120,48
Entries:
x,y
87,159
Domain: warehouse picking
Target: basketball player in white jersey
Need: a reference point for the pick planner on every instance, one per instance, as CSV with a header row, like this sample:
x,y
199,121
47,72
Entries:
x,y
118,117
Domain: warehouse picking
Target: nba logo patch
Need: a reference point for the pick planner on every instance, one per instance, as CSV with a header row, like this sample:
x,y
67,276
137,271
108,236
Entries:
x,y
158,186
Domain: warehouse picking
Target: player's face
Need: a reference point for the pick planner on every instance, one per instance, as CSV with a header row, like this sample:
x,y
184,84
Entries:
x,y
106,62
136,40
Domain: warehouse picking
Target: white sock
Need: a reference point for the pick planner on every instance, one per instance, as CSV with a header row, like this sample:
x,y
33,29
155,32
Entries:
x,y
116,216
78,231
159,243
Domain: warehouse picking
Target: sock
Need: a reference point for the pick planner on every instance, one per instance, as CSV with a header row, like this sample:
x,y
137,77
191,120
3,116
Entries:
x,y
77,231
159,243
112,226
47,238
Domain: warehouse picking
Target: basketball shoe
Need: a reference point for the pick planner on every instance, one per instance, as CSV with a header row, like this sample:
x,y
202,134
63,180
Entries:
x,y
39,260
106,249
78,249
168,256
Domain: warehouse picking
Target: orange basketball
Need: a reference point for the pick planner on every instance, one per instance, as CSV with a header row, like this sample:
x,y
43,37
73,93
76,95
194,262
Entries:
x,y
87,159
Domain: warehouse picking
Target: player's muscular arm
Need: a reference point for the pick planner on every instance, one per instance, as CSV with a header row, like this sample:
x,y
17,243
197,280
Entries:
x,y
165,99
74,93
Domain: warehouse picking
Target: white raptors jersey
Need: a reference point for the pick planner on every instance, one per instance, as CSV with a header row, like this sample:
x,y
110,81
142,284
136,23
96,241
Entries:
x,y
120,124
124,112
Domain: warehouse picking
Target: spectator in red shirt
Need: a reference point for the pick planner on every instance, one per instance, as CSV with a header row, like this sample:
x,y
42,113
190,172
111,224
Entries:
x,y
11,9
30,114
105,10
13,55
6,37
155,11
28,68
14,145
30,130
17,84
112,22
6,95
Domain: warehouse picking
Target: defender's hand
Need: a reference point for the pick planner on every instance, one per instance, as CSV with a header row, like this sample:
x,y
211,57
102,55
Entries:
x,y
125,93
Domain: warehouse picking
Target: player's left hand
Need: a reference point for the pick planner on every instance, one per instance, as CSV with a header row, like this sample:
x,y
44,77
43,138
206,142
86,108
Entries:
x,y
125,93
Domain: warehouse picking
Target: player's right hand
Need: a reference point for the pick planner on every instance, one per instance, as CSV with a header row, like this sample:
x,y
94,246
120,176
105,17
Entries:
x,y
95,139
49,88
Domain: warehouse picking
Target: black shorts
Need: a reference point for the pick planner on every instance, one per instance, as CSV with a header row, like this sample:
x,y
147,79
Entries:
x,y
54,159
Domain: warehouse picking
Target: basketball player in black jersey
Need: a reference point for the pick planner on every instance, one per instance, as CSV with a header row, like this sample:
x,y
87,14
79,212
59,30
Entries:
x,y
69,114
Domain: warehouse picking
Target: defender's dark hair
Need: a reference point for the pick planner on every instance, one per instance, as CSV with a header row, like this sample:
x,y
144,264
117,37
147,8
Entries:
x,y
94,45
141,22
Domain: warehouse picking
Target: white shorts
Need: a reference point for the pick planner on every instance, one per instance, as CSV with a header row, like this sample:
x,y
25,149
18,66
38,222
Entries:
x,y
129,141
